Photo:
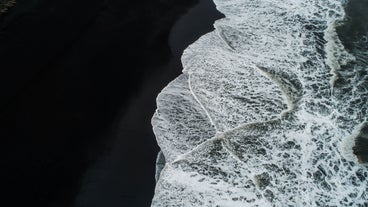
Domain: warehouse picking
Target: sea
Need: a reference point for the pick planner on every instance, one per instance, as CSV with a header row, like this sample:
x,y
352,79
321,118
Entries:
x,y
270,110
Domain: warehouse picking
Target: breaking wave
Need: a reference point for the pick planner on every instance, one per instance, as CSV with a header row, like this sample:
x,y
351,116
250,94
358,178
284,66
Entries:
x,y
266,112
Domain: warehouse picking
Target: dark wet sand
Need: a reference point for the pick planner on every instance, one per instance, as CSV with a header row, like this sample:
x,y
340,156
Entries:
x,y
78,82
130,178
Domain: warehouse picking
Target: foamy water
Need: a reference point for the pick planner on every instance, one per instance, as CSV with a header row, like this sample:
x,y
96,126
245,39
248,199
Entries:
x,y
265,112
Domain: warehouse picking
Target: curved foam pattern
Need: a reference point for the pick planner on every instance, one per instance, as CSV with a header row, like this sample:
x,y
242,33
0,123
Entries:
x,y
274,101
179,122
217,79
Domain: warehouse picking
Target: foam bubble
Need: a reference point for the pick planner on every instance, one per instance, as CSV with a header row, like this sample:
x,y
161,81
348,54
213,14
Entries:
x,y
271,122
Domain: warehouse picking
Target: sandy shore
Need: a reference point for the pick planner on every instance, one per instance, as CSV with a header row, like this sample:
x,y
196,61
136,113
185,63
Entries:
x,y
78,83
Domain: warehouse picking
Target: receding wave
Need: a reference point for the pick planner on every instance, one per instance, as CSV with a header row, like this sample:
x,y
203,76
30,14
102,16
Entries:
x,y
270,111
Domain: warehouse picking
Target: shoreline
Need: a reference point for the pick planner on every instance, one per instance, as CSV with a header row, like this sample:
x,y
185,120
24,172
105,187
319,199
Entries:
x,y
188,29
134,121
182,36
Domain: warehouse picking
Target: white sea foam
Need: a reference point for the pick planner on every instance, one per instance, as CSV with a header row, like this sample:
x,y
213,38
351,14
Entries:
x,y
259,118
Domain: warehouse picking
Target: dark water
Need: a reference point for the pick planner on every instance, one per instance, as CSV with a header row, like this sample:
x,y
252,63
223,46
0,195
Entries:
x,y
78,83
355,28
354,36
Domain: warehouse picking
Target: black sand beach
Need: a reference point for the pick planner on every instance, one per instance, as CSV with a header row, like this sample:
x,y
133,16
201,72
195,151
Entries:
x,y
78,86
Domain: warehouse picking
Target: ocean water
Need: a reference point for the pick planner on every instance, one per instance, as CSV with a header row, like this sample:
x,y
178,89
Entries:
x,y
269,109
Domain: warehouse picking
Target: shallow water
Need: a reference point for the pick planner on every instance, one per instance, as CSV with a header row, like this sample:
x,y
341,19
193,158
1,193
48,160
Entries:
x,y
268,109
